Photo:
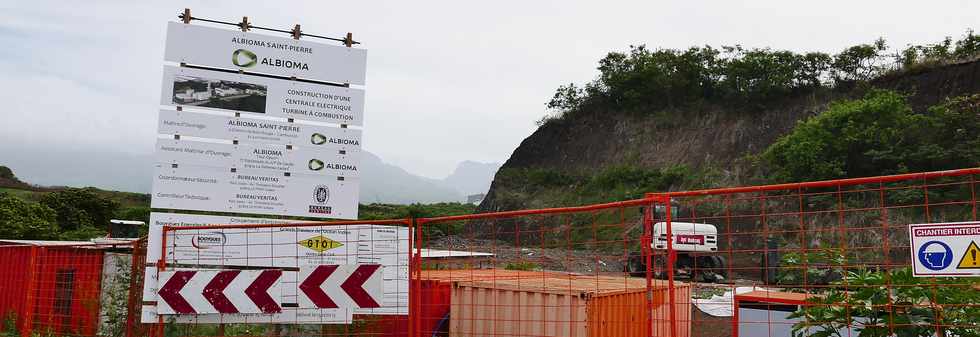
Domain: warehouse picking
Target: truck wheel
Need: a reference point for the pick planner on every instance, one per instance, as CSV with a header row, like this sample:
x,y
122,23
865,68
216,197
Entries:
x,y
720,266
635,265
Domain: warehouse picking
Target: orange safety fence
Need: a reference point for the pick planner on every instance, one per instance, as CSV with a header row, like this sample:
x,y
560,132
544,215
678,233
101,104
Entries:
x,y
828,258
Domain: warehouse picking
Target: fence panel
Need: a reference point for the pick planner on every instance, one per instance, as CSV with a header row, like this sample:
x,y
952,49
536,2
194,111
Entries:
x,y
825,258
345,278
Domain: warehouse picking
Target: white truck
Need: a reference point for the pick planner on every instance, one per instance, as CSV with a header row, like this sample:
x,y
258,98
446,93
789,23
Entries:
x,y
696,245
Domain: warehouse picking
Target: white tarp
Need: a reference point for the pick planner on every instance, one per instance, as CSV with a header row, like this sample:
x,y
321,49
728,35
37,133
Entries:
x,y
231,49
261,96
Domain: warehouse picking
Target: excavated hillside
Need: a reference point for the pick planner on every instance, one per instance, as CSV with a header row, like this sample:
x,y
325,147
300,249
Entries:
x,y
705,136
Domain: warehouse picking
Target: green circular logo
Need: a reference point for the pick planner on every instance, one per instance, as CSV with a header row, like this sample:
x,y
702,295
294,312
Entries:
x,y
318,139
244,58
315,165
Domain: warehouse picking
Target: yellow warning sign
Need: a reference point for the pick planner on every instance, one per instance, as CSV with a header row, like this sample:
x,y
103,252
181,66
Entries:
x,y
970,259
320,243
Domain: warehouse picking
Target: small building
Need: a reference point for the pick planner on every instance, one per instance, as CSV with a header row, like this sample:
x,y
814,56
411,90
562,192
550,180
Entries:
x,y
54,287
475,199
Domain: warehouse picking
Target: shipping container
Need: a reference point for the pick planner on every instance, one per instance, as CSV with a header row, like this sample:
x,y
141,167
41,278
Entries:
x,y
566,305
435,290
51,289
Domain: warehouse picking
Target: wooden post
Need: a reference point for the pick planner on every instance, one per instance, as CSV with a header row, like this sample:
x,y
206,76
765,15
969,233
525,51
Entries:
x,y
187,16
297,32
349,41
244,24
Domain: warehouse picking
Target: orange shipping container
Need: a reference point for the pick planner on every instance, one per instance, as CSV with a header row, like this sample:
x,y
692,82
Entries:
x,y
566,305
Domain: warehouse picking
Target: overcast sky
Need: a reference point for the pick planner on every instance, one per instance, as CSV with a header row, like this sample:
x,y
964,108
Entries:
x,y
447,81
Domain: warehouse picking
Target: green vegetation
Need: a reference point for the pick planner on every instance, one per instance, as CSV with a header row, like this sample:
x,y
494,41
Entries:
x,y
84,213
615,183
20,219
653,80
892,303
875,135
386,211
524,265
7,174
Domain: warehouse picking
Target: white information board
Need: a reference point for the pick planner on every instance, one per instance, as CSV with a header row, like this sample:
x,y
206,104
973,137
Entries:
x,y
256,131
282,247
328,161
261,96
259,192
945,249
231,49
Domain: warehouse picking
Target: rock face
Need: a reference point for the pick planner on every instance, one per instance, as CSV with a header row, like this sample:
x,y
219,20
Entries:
x,y
707,135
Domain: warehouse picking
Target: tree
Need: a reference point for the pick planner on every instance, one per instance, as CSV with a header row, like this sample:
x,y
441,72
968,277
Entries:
x,y
7,173
81,212
21,219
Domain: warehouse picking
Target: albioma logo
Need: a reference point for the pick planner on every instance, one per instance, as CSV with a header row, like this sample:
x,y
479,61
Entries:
x,y
208,240
246,59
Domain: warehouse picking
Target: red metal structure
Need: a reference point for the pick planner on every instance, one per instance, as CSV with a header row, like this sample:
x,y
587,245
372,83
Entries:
x,y
51,289
559,271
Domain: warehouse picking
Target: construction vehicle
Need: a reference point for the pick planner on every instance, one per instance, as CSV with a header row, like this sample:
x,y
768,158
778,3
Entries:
x,y
695,244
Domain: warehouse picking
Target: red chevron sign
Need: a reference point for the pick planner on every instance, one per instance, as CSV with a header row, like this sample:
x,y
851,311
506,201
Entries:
x,y
341,286
220,291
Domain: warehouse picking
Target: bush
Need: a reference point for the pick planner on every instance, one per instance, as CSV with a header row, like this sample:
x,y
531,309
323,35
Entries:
x,y
878,134
651,80
26,220
892,303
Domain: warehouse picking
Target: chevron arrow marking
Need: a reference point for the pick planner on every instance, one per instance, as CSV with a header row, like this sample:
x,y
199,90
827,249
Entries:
x,y
354,286
258,291
214,292
170,292
311,287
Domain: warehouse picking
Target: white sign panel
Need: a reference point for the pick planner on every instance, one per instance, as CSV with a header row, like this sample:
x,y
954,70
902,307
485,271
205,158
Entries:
x,y
223,48
220,291
256,131
285,247
259,192
945,249
261,96
265,157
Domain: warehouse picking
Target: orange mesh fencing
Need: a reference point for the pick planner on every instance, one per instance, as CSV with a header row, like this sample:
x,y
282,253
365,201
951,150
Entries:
x,y
825,258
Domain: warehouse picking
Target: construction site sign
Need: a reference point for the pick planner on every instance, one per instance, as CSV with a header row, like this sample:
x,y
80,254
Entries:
x,y
259,53
945,249
202,188
257,131
263,157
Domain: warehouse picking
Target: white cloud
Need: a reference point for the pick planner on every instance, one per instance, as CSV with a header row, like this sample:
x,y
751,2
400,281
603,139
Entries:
x,y
447,80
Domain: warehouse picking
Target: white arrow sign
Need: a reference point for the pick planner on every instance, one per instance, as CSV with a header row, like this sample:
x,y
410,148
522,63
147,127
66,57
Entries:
x,y
341,286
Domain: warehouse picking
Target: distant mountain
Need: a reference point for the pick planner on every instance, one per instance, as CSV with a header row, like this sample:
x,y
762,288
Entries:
x,y
471,177
386,183
111,170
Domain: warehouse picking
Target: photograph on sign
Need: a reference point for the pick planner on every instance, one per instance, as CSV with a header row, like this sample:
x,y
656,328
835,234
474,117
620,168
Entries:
x,y
945,249
201,188
259,53
256,131
261,96
259,157
213,93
